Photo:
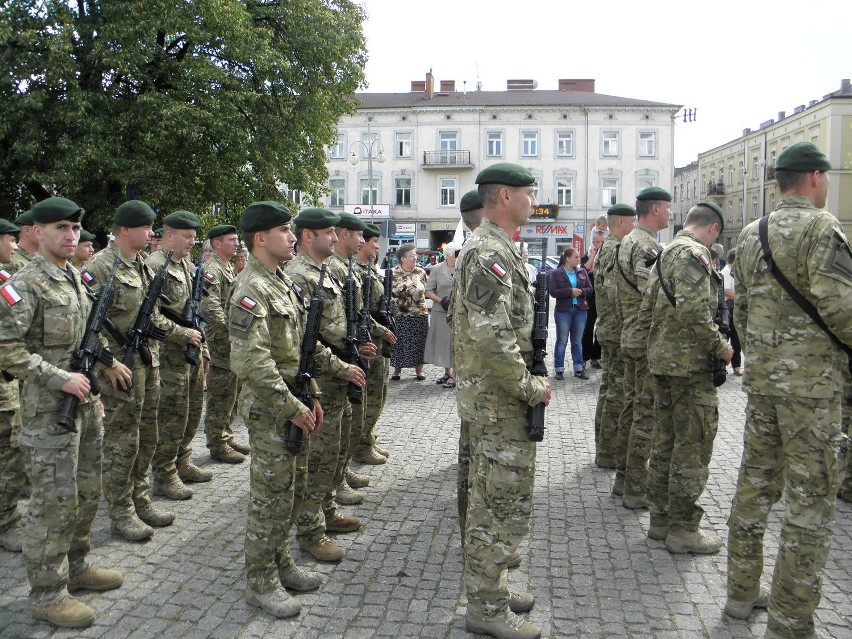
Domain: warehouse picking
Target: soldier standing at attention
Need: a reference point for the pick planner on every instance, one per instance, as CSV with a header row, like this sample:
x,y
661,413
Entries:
x,y
683,342
611,417
319,513
219,276
470,208
129,441
43,313
492,323
266,323
85,250
637,251
28,241
171,463
794,383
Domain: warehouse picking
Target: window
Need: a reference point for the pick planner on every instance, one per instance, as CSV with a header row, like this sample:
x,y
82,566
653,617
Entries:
x,y
449,140
753,206
337,192
730,211
755,168
565,144
529,143
695,187
370,145
643,182
742,209
369,195
402,188
403,145
687,190
565,192
772,200
337,151
494,144
609,188
647,144
610,144
772,156
730,174
296,197
448,188
742,171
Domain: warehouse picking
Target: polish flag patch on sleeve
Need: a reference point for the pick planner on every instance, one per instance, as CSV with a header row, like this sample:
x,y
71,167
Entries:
x,y
498,270
4,275
10,294
704,260
87,277
208,276
248,302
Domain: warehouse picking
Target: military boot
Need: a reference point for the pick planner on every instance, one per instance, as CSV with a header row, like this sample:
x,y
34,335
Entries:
x,y
68,613
324,550
346,496
301,580
514,560
680,541
369,455
153,516
189,472
384,452
739,609
12,539
658,533
604,462
171,487
845,493
356,480
226,455
98,579
131,528
343,524
521,602
277,603
507,626
618,484
634,502
245,449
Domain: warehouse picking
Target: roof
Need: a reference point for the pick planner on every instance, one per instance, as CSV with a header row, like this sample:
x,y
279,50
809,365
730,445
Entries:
x,y
535,98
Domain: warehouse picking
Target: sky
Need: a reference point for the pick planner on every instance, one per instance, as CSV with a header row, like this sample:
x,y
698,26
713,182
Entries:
x,y
738,62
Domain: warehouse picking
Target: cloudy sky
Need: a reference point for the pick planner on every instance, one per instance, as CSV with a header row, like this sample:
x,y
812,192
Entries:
x,y
737,62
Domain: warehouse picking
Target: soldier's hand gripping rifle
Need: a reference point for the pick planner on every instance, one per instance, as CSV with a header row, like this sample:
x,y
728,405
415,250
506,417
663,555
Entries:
x,y
302,389
364,318
143,326
195,316
91,350
535,414
353,342
388,312
722,319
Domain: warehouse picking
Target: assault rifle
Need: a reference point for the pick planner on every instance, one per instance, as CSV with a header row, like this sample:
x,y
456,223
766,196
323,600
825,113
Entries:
x,y
535,414
91,350
388,312
302,388
364,324
353,342
722,320
193,316
143,326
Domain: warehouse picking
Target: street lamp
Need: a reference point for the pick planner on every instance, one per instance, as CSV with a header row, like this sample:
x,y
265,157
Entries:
x,y
371,146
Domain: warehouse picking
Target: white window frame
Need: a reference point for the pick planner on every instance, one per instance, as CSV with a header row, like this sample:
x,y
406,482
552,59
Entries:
x,y
368,144
397,189
610,147
529,144
644,150
336,194
364,190
609,192
403,144
565,144
493,144
565,191
448,190
337,151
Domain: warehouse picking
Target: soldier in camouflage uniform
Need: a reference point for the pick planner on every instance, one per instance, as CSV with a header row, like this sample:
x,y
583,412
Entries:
x,y
219,277
492,318
129,441
43,312
319,512
679,304
28,242
845,492
794,384
611,423
171,462
635,257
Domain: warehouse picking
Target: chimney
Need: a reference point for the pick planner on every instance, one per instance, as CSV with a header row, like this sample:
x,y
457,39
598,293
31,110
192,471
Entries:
x,y
521,85
448,86
587,85
430,85
782,115
811,103
418,86
845,88
746,132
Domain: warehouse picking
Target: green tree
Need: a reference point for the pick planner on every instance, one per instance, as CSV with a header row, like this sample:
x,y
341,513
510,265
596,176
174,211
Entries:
x,y
182,104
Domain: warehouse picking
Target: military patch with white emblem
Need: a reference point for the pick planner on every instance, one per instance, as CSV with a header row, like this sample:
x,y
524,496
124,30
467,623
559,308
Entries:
x,y
87,277
248,302
4,275
10,294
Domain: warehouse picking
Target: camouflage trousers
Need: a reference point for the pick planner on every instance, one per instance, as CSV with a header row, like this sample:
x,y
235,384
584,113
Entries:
x,y
193,418
176,386
323,453
350,434
611,404
376,395
641,417
498,513
12,472
129,441
463,477
277,482
688,417
846,486
222,390
792,444
66,487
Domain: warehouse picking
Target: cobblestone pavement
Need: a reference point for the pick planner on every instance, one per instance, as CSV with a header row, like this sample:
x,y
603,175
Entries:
x,y
587,560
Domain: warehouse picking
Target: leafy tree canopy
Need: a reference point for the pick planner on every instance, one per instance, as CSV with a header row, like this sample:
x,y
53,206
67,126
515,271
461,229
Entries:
x,y
181,103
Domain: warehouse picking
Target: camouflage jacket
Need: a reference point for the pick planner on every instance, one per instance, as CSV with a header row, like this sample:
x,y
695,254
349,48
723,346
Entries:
x,y
491,316
177,289
788,353
606,292
632,271
219,279
20,259
378,331
682,339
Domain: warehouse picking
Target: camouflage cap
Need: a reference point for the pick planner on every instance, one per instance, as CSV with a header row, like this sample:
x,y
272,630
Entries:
x,y
25,219
182,220
56,209
371,231
316,218
85,236
470,201
262,216
803,157
133,214
505,173
715,208
351,222
623,210
7,228
223,229
654,193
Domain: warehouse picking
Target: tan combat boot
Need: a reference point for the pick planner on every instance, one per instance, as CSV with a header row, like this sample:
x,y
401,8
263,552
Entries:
x,y
131,528
521,602
189,472
171,487
369,455
739,609
680,541
68,613
277,603
634,502
153,516
343,524
98,579
356,480
227,455
12,539
384,452
514,560
618,485
324,550
507,626
301,580
346,496
245,449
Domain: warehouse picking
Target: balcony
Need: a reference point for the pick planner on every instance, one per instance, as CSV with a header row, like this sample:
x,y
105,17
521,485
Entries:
x,y
446,160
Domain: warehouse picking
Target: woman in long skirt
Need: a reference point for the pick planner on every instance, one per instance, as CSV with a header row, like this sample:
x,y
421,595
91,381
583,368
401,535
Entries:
x,y
409,290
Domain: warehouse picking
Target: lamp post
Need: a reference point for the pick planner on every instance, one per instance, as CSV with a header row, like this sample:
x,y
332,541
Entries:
x,y
369,146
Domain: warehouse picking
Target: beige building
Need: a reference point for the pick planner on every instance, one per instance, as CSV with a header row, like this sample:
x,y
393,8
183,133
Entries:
x,y
684,192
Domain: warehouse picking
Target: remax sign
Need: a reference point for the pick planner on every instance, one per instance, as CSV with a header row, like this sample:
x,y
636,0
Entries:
x,y
547,230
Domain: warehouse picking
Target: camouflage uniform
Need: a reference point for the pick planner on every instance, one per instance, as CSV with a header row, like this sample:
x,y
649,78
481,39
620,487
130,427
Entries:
x,y
492,321
38,334
319,506
845,492
682,339
636,249
221,381
20,259
793,420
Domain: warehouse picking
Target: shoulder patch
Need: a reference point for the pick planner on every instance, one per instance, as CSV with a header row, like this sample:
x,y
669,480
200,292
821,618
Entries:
x,y
9,294
4,275
298,289
483,292
248,302
240,319
87,277
209,276
704,260
498,270
841,262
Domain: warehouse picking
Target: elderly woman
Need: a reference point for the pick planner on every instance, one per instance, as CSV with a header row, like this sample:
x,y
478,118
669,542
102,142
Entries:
x,y
409,290
570,285
439,338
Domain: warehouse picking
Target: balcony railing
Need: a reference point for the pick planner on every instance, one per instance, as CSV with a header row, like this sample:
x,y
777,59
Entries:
x,y
440,159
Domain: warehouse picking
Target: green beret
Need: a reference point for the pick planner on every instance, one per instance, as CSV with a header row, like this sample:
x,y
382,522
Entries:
x,y
133,214
262,216
7,228
85,236
505,173
716,210
803,157
56,209
25,219
623,210
223,229
654,193
182,220
371,231
314,218
158,233
470,201
351,222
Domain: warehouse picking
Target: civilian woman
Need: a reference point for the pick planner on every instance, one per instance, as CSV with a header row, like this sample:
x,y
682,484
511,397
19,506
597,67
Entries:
x,y
439,339
409,290
570,285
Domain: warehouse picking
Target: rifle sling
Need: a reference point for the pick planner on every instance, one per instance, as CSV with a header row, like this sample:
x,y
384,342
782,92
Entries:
x,y
621,270
665,288
174,317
